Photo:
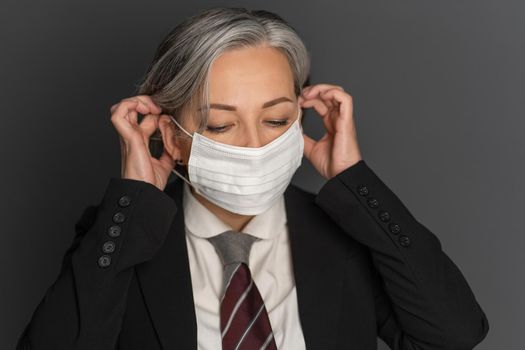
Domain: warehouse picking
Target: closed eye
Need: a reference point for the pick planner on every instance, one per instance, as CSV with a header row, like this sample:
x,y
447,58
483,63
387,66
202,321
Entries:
x,y
224,128
277,123
217,129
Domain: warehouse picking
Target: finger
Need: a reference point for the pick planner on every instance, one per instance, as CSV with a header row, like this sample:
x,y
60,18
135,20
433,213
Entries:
x,y
337,113
318,95
124,116
322,109
128,108
345,102
331,102
305,89
318,104
149,124
123,105
143,107
315,89
154,108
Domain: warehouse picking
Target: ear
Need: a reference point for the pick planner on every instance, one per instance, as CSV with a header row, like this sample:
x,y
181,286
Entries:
x,y
172,144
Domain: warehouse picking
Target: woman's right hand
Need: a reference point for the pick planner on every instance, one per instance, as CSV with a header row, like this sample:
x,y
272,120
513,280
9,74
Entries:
x,y
137,163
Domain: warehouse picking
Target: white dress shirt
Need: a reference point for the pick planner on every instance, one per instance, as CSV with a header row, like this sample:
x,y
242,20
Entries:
x,y
270,265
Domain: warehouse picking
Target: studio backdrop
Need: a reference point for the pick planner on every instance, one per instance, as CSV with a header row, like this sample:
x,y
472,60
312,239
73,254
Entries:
x,y
437,89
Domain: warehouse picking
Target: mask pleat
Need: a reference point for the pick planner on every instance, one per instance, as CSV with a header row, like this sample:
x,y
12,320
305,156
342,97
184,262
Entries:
x,y
245,180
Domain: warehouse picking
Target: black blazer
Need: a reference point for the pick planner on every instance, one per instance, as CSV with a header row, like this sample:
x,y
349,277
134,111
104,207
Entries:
x,y
364,268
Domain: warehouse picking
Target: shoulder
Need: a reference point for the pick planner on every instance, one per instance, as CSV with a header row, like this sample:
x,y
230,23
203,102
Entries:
x,y
300,193
308,217
301,202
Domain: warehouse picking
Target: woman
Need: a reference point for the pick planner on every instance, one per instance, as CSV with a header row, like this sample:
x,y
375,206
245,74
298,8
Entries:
x,y
330,271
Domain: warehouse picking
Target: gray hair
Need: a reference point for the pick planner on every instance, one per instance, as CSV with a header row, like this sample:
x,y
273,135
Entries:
x,y
177,78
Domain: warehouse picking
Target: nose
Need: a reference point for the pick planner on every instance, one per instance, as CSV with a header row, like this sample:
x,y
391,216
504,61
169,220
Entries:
x,y
252,137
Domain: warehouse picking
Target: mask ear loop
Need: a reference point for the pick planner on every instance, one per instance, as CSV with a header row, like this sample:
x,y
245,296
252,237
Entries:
x,y
300,116
173,170
173,120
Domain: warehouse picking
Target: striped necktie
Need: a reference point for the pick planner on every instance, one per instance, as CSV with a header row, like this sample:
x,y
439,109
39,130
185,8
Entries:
x,y
244,319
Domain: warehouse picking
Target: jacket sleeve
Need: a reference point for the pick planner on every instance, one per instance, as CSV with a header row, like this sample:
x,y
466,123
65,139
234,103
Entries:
x,y
83,308
422,299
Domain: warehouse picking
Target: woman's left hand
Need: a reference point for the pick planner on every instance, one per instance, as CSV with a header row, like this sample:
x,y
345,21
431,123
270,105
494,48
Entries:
x,y
338,149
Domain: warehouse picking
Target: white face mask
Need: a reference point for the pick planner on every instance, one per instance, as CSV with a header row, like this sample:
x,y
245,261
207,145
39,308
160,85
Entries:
x,y
244,180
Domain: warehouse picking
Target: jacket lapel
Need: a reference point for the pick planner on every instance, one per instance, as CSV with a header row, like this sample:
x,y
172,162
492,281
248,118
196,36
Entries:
x,y
166,280
318,258
166,284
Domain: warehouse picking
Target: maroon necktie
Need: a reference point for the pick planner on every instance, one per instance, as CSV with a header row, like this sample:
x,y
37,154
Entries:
x,y
244,319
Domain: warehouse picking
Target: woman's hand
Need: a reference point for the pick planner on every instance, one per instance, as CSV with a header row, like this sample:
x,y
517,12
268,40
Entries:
x,y
338,149
137,161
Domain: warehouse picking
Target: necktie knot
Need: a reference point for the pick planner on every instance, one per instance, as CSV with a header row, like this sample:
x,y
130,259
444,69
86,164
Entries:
x,y
233,248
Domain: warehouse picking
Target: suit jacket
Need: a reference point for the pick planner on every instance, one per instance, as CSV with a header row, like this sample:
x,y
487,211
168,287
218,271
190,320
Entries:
x,y
364,268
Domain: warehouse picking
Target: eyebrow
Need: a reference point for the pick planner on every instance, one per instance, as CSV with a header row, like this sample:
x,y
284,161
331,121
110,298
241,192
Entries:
x,y
233,108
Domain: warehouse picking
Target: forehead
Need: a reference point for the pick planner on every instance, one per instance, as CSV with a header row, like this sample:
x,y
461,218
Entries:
x,y
250,74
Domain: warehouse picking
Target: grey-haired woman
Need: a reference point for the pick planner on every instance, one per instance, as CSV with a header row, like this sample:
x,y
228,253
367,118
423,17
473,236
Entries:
x,y
230,254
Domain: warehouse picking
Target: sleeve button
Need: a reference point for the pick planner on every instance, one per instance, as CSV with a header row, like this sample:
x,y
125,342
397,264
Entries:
x,y
384,215
394,228
362,190
124,201
114,231
372,202
119,217
404,241
108,247
104,261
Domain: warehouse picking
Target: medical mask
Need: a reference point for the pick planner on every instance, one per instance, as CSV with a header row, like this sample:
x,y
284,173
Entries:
x,y
244,180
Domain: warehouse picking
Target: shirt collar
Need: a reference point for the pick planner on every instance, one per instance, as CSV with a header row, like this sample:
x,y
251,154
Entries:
x,y
201,222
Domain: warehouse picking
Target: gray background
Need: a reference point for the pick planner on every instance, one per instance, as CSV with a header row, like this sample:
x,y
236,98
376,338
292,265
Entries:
x,y
438,93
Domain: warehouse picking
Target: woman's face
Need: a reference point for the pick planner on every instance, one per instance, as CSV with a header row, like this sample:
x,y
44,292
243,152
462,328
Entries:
x,y
252,100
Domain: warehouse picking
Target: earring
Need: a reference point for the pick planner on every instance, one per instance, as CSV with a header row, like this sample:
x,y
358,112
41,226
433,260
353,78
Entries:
x,y
179,161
